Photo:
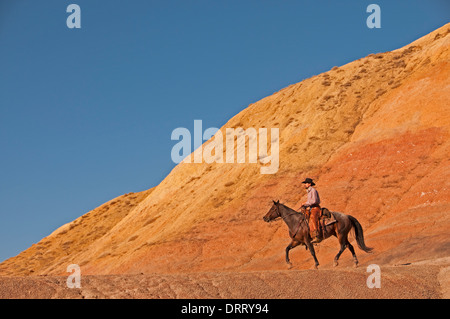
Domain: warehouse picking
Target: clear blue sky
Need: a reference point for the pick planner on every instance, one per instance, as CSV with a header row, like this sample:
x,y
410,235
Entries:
x,y
86,114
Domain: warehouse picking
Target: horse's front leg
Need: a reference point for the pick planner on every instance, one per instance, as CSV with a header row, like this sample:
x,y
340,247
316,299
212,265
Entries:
x,y
289,247
293,244
313,253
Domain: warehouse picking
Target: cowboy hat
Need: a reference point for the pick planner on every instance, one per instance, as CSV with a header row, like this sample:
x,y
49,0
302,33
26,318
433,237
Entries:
x,y
308,181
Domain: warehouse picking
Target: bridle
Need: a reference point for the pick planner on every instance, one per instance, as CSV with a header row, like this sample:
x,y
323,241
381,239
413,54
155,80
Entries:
x,y
287,215
290,214
278,213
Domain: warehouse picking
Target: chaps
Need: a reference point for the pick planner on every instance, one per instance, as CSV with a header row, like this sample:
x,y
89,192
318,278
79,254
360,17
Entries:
x,y
314,221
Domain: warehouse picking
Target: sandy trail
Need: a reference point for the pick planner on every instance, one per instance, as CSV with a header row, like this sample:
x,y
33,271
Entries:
x,y
413,281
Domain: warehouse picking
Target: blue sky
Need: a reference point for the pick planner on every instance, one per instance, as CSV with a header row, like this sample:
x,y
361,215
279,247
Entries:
x,y
87,114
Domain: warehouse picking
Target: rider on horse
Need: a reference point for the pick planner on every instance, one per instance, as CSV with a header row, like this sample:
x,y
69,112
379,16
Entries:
x,y
313,205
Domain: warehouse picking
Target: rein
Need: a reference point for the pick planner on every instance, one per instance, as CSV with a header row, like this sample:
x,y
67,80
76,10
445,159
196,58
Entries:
x,y
282,217
294,213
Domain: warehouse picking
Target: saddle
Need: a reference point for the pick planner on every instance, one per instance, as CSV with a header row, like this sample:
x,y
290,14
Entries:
x,y
319,218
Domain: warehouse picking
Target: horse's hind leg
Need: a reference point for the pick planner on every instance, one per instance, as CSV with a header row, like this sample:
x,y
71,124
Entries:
x,y
353,253
343,244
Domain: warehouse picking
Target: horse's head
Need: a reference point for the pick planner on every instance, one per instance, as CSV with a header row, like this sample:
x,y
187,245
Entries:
x,y
273,213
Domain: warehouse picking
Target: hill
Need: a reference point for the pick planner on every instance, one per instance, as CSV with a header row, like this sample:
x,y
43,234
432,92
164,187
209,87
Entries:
x,y
373,134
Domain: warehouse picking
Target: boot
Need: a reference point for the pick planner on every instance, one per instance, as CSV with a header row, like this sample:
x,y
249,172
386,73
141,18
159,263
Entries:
x,y
316,237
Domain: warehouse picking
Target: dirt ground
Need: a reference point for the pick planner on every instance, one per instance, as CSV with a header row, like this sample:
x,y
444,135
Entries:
x,y
424,280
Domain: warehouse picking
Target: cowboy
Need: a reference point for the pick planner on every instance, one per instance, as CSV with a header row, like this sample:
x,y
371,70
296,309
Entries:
x,y
313,205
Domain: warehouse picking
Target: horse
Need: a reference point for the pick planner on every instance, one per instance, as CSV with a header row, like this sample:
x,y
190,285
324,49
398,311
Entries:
x,y
297,223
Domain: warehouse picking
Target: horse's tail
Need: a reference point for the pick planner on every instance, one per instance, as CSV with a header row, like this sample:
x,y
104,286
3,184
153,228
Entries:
x,y
359,234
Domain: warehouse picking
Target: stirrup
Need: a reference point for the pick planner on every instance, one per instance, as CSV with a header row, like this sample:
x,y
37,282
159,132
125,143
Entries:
x,y
331,222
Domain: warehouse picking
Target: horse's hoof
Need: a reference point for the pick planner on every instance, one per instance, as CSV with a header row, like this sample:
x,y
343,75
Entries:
x,y
315,267
355,265
335,264
290,265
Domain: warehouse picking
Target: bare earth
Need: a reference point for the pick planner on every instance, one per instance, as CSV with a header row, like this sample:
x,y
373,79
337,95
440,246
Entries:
x,y
414,281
